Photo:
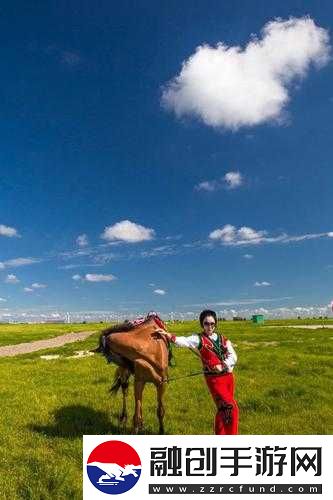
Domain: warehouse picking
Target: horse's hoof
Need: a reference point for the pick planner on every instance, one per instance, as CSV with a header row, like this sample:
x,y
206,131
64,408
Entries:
x,y
139,429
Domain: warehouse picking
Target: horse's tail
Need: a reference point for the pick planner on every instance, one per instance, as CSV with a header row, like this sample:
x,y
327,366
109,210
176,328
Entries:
x,y
101,345
121,377
116,382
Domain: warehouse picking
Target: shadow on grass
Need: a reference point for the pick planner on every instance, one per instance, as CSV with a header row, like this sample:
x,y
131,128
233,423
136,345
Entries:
x,y
74,421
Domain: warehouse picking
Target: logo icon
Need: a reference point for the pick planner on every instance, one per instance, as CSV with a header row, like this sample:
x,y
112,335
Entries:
x,y
114,467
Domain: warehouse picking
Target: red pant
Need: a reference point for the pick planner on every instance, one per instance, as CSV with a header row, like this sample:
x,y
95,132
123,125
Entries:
x,y
222,390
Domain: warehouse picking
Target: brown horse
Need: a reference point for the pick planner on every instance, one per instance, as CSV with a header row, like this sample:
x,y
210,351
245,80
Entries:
x,y
139,351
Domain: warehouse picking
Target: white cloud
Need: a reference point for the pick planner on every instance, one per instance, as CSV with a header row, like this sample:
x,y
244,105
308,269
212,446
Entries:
x,y
262,283
38,285
229,235
174,237
10,232
104,258
248,256
2,299
127,231
233,179
243,308
232,87
18,262
82,240
235,302
249,234
74,266
303,237
207,186
160,251
12,279
159,291
75,253
96,278
34,286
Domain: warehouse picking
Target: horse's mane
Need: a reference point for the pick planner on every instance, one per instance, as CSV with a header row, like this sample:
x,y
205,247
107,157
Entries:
x,y
126,326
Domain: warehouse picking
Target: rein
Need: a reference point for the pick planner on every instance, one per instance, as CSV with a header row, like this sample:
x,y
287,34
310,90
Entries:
x,y
202,372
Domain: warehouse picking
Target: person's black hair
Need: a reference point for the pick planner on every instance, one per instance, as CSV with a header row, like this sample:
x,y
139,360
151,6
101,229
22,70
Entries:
x,y
205,313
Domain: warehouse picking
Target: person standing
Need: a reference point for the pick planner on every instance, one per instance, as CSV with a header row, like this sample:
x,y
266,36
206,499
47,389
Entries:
x,y
218,358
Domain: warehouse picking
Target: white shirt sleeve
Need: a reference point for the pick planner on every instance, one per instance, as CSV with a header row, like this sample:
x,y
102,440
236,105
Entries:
x,y
192,341
231,358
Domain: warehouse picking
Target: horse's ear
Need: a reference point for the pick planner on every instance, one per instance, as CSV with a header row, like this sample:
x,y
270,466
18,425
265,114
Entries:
x,y
160,323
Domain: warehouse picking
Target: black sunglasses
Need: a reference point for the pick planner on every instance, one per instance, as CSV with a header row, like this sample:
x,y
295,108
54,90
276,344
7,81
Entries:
x,y
208,323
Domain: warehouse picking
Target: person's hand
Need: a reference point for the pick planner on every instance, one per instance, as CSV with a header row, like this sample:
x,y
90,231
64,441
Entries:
x,y
221,368
163,332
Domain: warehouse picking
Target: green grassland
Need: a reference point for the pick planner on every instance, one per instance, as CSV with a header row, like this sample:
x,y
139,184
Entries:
x,y
283,386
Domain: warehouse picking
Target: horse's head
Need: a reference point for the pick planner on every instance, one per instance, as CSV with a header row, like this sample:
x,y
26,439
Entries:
x,y
153,316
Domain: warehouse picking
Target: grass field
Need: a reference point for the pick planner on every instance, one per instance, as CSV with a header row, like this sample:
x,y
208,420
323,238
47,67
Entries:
x,y
283,386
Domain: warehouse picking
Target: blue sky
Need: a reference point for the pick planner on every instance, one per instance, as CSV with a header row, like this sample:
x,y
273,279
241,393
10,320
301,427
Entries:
x,y
117,130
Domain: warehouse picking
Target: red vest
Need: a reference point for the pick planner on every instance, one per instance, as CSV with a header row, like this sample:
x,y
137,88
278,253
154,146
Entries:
x,y
209,356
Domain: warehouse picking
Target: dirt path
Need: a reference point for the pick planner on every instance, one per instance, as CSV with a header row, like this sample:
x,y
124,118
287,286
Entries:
x,y
37,345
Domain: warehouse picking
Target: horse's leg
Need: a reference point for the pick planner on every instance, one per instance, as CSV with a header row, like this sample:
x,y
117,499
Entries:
x,y
124,376
160,407
137,419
